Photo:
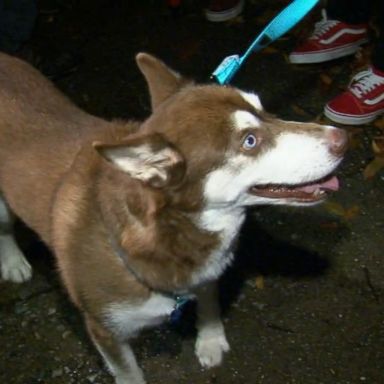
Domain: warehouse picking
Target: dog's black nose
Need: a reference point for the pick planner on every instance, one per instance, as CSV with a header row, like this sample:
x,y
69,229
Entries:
x,y
338,141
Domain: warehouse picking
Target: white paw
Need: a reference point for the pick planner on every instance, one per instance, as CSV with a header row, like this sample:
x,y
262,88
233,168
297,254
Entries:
x,y
210,350
14,267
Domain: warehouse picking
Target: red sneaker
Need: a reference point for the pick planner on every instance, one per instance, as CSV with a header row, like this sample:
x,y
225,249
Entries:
x,y
362,102
330,40
223,10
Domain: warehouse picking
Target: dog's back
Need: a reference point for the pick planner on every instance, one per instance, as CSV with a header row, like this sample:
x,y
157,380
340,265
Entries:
x,y
42,130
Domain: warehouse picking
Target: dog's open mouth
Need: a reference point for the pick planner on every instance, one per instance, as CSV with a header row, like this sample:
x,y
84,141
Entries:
x,y
306,193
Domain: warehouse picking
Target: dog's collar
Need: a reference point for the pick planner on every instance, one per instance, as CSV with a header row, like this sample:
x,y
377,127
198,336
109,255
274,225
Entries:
x,y
181,298
122,255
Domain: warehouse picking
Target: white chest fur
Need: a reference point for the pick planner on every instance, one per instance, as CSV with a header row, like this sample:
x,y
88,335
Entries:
x,y
127,318
227,222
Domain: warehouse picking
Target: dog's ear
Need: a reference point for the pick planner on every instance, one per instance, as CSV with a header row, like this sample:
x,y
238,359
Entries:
x,y
162,81
146,157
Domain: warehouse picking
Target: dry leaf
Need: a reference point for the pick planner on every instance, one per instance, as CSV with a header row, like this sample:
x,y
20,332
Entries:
x,y
337,209
286,58
269,50
259,282
326,79
334,208
298,110
379,123
362,59
377,164
351,213
236,20
320,119
378,146
325,82
373,168
330,225
355,138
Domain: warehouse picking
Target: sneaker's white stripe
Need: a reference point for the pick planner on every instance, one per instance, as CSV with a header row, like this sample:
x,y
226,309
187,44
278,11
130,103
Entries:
x,y
343,118
374,101
329,110
341,33
333,49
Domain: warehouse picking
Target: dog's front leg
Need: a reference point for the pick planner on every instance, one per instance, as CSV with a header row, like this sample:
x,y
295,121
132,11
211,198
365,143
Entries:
x,y
117,355
211,342
13,265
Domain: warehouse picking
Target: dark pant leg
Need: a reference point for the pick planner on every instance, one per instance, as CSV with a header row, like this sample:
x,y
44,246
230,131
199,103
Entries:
x,y
378,51
350,11
357,12
17,19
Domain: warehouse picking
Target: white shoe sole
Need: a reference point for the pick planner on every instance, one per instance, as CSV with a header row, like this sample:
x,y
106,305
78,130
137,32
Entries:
x,y
326,55
351,119
228,14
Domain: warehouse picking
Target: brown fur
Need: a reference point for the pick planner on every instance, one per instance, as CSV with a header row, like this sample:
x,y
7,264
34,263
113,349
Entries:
x,y
119,202
76,201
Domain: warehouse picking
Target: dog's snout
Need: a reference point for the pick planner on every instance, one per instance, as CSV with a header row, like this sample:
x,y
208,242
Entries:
x,y
337,141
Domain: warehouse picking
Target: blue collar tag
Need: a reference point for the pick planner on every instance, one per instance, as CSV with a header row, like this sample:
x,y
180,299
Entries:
x,y
181,301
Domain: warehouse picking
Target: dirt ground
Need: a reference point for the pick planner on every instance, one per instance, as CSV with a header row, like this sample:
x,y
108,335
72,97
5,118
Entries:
x,y
303,303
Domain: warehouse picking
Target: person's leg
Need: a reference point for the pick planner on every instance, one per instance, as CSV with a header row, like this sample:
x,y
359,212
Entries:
x,y
343,29
17,20
350,11
363,100
378,50
378,55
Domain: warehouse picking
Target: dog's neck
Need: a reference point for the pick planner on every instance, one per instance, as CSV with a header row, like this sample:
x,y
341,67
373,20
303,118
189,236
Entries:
x,y
220,224
226,223
161,243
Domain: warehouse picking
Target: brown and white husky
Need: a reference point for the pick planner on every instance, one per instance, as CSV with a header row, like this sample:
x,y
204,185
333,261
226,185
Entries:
x,y
137,213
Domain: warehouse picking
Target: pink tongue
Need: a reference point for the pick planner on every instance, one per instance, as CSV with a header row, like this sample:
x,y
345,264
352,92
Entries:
x,y
331,184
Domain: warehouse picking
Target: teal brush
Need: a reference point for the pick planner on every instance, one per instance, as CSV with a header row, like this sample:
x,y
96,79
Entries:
x,y
280,25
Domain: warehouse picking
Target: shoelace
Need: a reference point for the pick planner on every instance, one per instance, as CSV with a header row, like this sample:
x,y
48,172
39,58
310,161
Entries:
x,y
364,82
323,25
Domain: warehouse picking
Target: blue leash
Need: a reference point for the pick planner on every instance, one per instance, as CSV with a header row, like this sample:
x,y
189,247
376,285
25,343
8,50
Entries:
x,y
280,25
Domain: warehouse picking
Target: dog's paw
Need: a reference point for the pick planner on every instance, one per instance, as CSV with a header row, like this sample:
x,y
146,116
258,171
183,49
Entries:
x,y
210,350
15,267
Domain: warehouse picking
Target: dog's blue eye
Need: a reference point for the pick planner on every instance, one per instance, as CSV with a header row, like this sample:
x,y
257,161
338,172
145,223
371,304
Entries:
x,y
249,142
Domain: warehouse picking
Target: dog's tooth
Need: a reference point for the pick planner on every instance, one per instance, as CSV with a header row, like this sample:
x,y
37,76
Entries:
x,y
322,192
